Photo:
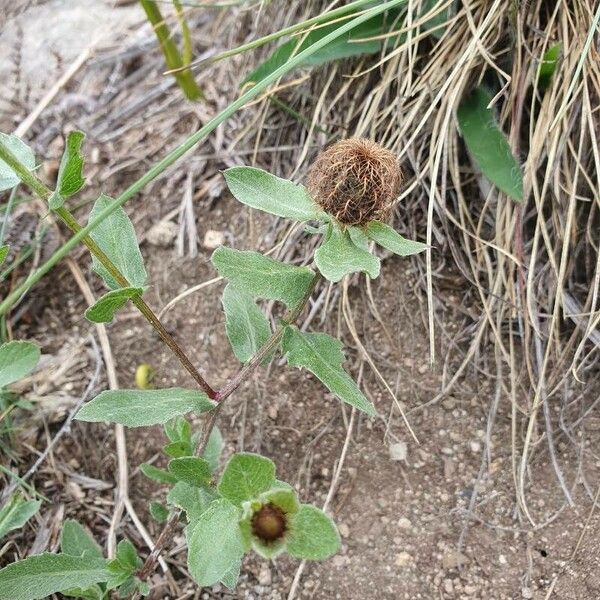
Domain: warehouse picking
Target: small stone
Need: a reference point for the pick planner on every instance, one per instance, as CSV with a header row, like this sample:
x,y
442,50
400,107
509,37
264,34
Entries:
x,y
502,559
162,233
470,590
272,412
448,586
75,491
454,560
403,559
475,446
398,451
344,530
264,576
526,593
213,239
404,523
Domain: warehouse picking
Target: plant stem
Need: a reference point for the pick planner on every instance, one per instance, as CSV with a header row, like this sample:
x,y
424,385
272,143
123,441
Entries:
x,y
188,144
184,76
29,179
169,528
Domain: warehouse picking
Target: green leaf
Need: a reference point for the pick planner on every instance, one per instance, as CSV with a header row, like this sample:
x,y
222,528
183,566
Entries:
x,y
193,500
261,190
338,255
322,355
136,408
127,556
75,539
190,469
93,592
214,543
8,178
156,474
284,498
230,579
70,173
488,145
246,476
103,311
214,448
313,535
178,449
158,512
246,326
391,240
345,46
4,252
17,359
45,574
16,512
116,237
548,65
261,276
436,20
178,429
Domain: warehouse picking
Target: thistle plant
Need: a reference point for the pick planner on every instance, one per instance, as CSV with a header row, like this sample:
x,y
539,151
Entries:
x,y
242,507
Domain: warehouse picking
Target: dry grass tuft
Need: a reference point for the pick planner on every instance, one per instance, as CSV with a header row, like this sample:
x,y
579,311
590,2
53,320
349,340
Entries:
x,y
355,181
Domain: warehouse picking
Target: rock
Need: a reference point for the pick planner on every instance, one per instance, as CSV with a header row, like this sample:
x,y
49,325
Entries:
x,y
454,560
264,576
398,451
404,523
526,593
162,233
403,559
344,530
475,446
213,239
448,587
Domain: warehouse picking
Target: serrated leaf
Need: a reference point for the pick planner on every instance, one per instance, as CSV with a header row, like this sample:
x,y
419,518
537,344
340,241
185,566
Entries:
x,y
75,539
246,476
4,252
322,355
193,500
488,145
116,237
391,240
158,512
214,448
338,255
138,408
8,178
261,190
313,535
345,46
17,359
214,543
190,469
261,276
70,173
156,474
127,556
246,326
103,311
40,576
16,512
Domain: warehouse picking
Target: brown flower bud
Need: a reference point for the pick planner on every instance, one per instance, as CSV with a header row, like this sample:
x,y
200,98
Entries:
x,y
355,181
269,523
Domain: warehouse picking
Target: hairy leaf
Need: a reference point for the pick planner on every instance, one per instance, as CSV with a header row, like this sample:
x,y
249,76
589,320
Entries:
x,y
75,539
70,173
16,512
192,499
214,448
103,311
338,255
158,512
190,469
391,240
230,579
261,276
488,145
136,408
261,190
17,359
246,476
116,237
246,326
313,535
214,543
322,355
8,178
156,474
45,574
